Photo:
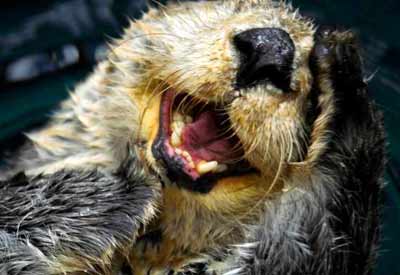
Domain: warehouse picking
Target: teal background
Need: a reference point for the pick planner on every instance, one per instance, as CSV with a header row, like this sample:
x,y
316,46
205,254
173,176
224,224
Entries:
x,y
27,104
377,24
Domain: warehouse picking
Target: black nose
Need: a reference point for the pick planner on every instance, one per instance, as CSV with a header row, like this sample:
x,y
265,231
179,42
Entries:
x,y
266,56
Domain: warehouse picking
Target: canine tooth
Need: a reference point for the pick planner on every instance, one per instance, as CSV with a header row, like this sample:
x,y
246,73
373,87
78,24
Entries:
x,y
205,167
175,139
221,168
174,126
177,126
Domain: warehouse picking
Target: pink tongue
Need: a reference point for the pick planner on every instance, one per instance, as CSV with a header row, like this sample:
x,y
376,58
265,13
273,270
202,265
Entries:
x,y
204,141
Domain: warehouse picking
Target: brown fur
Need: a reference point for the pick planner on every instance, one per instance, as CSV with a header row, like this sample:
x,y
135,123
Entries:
x,y
188,48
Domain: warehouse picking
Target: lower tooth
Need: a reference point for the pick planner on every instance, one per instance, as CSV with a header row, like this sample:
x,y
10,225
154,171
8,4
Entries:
x,y
177,116
175,139
205,167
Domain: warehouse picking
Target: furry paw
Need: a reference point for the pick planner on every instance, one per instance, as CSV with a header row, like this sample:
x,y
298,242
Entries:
x,y
336,57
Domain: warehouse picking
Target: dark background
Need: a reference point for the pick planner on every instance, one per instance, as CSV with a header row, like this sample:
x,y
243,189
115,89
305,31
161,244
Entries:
x,y
47,46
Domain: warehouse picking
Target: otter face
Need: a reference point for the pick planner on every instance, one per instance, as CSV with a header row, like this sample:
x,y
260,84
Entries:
x,y
225,89
225,101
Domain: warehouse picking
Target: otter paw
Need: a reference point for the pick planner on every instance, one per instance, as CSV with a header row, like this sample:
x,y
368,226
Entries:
x,y
336,56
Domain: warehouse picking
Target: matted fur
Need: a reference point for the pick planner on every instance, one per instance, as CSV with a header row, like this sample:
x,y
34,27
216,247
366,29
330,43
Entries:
x,y
312,207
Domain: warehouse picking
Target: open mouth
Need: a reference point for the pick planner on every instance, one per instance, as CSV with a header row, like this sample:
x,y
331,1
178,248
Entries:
x,y
196,143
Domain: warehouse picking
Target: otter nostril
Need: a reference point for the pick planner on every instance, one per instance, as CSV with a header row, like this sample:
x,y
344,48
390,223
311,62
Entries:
x,y
266,55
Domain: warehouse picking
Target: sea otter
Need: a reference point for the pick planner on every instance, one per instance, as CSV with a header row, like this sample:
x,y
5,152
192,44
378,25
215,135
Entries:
x,y
219,137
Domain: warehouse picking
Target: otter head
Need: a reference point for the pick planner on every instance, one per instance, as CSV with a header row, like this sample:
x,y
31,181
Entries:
x,y
224,90
227,102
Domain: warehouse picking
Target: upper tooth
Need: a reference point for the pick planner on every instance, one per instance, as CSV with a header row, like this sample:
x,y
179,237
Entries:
x,y
177,126
175,139
177,116
205,167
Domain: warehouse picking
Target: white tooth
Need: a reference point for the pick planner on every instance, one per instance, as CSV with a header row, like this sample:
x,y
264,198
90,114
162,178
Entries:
x,y
177,116
178,151
191,164
205,167
174,126
221,168
177,126
187,156
175,139
188,119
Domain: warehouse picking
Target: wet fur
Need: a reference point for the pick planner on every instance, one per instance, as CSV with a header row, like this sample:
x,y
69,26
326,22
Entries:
x,y
72,221
321,218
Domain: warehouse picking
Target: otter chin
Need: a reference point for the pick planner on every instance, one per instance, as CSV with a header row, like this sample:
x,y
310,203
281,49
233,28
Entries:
x,y
218,137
